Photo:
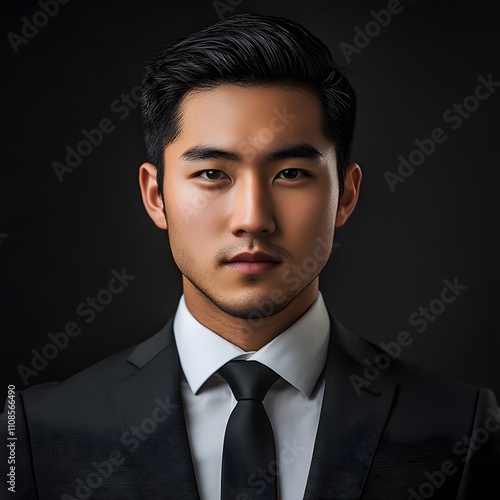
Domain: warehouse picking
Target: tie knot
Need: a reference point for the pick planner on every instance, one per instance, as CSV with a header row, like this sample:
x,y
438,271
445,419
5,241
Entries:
x,y
248,379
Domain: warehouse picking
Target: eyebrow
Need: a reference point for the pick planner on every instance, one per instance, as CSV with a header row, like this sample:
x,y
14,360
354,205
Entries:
x,y
205,153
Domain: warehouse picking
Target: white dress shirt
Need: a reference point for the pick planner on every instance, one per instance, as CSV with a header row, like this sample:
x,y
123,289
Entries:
x,y
293,403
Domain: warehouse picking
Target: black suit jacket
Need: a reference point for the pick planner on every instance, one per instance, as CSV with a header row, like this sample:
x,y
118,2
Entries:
x,y
117,431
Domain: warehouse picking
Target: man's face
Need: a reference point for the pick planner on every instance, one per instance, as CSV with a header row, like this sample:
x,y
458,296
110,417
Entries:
x,y
251,171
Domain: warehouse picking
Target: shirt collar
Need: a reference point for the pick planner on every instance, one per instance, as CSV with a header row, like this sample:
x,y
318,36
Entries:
x,y
298,354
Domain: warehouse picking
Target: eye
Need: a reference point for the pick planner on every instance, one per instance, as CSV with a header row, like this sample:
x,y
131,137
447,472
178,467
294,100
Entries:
x,y
212,175
292,173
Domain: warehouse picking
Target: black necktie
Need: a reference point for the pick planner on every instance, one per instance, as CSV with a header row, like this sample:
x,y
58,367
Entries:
x,y
249,467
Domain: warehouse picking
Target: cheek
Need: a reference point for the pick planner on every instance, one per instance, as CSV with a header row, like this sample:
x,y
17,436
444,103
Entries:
x,y
194,216
309,214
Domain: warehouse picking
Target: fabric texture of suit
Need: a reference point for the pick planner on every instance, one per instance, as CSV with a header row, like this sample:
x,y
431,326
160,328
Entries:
x,y
117,431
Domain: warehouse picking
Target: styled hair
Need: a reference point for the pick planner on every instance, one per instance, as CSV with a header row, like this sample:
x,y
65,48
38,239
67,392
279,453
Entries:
x,y
246,50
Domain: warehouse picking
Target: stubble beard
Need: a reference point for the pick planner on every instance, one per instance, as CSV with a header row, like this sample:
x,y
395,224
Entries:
x,y
261,307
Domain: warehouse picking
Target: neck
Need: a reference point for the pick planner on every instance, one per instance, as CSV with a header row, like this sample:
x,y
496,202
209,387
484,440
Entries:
x,y
247,334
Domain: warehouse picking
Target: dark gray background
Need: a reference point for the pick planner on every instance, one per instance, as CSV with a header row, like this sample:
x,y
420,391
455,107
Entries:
x,y
65,238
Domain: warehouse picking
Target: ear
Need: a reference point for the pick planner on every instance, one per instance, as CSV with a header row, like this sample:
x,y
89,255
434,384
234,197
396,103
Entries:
x,y
347,202
150,195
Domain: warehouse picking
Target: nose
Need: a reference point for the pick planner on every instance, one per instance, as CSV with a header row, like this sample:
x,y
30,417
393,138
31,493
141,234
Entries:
x,y
252,208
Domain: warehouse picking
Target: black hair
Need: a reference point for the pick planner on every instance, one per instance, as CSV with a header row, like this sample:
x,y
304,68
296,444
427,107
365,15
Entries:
x,y
245,49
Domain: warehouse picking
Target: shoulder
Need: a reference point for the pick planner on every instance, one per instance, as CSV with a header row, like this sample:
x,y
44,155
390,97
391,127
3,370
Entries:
x,y
416,389
87,393
433,425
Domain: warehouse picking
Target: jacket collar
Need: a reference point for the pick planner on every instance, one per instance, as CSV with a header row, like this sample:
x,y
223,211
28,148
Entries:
x,y
158,461
351,421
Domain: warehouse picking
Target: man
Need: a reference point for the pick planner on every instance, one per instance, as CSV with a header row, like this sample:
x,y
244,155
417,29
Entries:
x,y
248,127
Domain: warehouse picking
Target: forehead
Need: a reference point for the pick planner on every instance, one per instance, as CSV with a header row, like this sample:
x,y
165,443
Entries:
x,y
234,113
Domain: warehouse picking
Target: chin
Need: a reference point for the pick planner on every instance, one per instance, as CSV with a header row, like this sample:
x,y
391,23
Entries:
x,y
252,306
248,302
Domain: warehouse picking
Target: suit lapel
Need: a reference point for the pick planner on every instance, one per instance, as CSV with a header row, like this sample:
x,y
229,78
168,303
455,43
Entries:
x,y
154,439
351,421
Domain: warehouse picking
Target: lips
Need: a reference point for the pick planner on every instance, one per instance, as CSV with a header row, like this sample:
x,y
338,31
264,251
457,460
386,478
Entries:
x,y
253,263
253,257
